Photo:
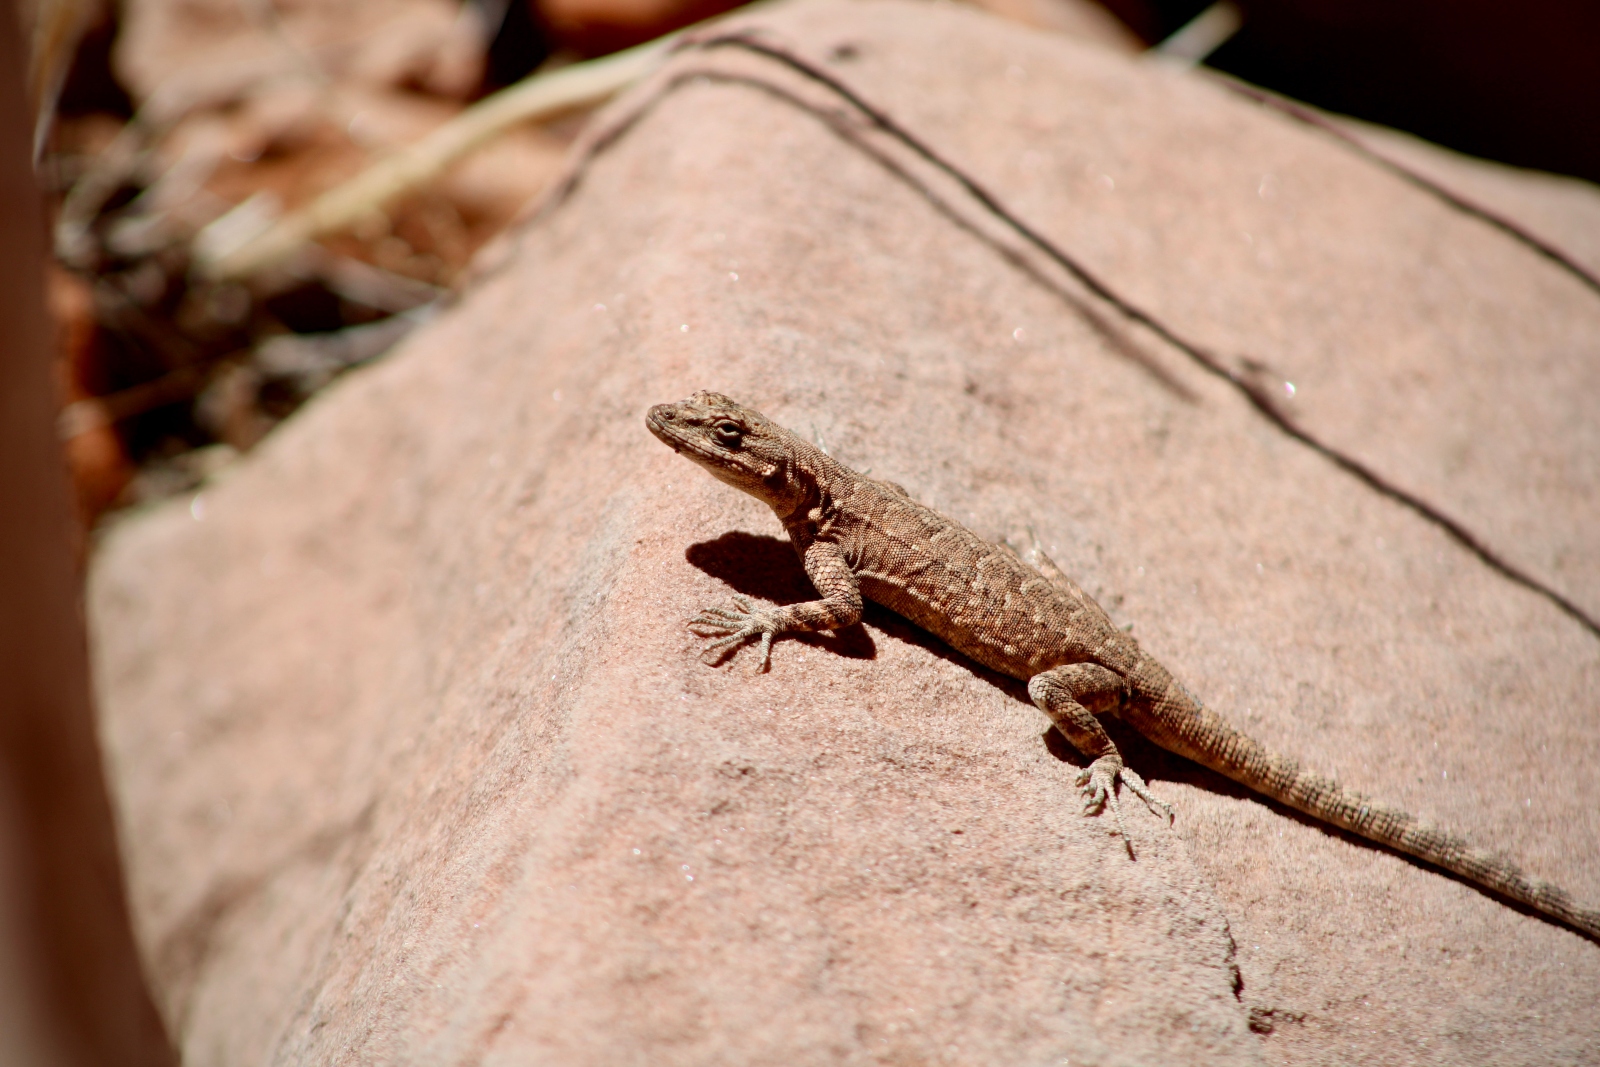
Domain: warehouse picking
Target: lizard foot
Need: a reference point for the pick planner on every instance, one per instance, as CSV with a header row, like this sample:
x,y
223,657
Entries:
x,y
1099,782
736,625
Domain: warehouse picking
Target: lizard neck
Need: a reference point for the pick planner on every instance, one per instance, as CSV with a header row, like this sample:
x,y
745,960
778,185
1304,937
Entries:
x,y
814,480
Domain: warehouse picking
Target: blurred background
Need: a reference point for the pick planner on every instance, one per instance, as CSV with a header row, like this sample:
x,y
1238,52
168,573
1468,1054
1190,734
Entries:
x,y
212,208
170,131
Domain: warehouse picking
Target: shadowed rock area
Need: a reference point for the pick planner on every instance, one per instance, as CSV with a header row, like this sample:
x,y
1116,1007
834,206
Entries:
x,y
416,762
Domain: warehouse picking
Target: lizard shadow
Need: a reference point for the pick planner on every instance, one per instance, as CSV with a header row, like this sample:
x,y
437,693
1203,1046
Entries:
x,y
763,566
767,567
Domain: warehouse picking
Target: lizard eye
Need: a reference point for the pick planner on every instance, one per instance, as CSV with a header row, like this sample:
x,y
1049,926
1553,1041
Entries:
x,y
728,432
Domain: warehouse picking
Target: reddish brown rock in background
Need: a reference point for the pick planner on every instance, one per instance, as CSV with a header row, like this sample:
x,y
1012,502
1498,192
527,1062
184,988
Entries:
x,y
416,762
99,467
594,27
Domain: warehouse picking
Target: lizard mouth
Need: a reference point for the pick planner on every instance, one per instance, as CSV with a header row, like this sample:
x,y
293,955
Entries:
x,y
679,434
662,421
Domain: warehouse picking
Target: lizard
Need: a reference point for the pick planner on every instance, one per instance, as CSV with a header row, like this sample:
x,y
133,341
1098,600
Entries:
x,y
861,537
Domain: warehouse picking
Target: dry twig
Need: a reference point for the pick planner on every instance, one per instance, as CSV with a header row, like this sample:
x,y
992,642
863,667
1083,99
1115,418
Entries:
x,y
220,254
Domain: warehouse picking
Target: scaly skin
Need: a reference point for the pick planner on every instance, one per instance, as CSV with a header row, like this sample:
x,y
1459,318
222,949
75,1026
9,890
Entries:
x,y
861,537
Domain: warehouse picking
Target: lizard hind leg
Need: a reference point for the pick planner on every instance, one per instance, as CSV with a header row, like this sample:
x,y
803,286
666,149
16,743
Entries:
x,y
1072,695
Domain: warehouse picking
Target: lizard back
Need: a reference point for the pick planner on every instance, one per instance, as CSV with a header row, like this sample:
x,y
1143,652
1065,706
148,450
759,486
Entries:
x,y
980,598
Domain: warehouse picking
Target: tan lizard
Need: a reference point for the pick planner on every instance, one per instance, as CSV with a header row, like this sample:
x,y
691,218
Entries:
x,y
859,536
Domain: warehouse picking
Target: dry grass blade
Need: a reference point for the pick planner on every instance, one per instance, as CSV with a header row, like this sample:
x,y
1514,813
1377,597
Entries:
x,y
541,96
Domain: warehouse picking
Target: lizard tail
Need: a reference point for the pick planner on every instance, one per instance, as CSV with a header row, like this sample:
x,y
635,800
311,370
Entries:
x,y
1179,723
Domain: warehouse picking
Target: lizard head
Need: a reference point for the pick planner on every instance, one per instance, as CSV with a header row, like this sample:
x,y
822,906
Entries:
x,y
736,444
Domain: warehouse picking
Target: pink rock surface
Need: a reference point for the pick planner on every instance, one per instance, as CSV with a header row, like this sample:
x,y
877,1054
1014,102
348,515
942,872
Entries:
x,y
416,762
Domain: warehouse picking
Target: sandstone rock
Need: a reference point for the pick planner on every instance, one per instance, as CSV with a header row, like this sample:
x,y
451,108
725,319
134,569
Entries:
x,y
416,762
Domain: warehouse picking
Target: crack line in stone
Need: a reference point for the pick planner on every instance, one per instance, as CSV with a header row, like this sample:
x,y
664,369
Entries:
x,y
1515,231
1252,391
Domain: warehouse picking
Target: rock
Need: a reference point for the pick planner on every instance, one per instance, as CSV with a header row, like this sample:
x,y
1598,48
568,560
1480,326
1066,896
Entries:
x,y
181,55
416,761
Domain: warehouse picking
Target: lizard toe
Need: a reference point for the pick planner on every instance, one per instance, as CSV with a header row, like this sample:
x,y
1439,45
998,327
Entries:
x,y
733,626
1099,783
1116,815
738,637
1135,783
1096,790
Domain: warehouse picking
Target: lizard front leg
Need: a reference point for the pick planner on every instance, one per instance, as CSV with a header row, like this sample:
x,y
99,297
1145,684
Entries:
x,y
839,607
1071,696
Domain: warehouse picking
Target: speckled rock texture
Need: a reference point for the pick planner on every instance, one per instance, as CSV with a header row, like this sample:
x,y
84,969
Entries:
x,y
416,762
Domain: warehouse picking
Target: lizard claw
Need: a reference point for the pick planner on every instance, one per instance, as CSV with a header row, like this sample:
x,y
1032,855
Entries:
x,y
1099,783
736,625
